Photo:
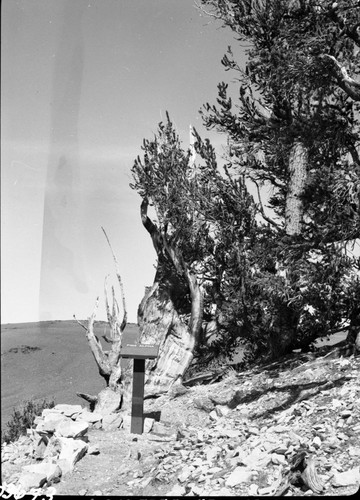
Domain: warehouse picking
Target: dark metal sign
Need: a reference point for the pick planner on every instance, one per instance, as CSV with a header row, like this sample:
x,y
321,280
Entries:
x,y
137,351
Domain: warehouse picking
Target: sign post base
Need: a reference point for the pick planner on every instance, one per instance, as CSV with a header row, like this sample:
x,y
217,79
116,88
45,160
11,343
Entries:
x,y
139,354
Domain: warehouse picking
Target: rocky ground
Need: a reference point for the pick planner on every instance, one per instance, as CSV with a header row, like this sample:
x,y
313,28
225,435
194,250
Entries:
x,y
289,428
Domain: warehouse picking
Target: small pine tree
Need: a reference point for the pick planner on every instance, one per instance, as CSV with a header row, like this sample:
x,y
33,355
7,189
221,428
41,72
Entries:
x,y
23,418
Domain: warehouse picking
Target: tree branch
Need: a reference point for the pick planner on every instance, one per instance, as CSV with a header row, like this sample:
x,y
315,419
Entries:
x,y
210,14
161,243
89,398
108,340
348,84
265,217
107,307
77,321
150,227
197,305
95,346
124,321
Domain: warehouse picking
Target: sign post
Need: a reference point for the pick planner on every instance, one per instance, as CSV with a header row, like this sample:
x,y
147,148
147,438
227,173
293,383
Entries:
x,y
139,353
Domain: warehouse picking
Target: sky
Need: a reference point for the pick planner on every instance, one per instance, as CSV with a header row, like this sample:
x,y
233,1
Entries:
x,y
83,82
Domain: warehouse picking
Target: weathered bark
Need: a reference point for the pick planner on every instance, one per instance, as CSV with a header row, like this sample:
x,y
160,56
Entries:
x,y
95,346
165,318
294,209
109,368
109,362
285,330
197,308
160,324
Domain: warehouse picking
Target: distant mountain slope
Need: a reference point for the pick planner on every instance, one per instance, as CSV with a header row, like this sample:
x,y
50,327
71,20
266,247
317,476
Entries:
x,y
49,359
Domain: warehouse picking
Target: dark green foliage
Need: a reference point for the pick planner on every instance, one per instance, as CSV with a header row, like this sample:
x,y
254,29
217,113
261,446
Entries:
x,y
277,309
289,290
23,418
288,92
263,285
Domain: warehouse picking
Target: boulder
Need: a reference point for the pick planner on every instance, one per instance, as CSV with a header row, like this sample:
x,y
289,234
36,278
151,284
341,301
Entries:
x,y
49,411
93,449
177,491
40,448
53,448
204,403
222,398
108,401
148,424
69,410
111,421
239,475
126,422
214,415
52,472
222,411
72,450
54,417
50,422
28,480
346,478
89,416
37,475
71,429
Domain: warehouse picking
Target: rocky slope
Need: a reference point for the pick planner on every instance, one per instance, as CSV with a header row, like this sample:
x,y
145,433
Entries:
x,y
289,428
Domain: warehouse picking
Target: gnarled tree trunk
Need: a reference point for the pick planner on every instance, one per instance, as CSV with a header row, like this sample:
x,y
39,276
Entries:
x,y
170,313
116,394
110,398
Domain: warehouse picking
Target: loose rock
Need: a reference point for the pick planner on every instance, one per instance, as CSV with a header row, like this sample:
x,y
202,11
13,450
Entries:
x,y
71,429
239,475
112,421
346,478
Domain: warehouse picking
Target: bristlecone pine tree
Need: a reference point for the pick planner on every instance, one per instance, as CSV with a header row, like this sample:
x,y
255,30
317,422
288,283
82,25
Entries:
x,y
293,127
273,278
276,282
172,311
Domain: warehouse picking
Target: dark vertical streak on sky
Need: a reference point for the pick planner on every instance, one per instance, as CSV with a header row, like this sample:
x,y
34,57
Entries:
x,y
61,265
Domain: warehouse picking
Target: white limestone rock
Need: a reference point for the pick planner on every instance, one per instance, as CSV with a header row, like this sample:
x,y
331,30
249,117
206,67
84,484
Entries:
x,y
71,429
66,451
239,475
50,422
89,416
68,410
51,471
72,450
112,421
29,480
108,401
148,424
346,478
